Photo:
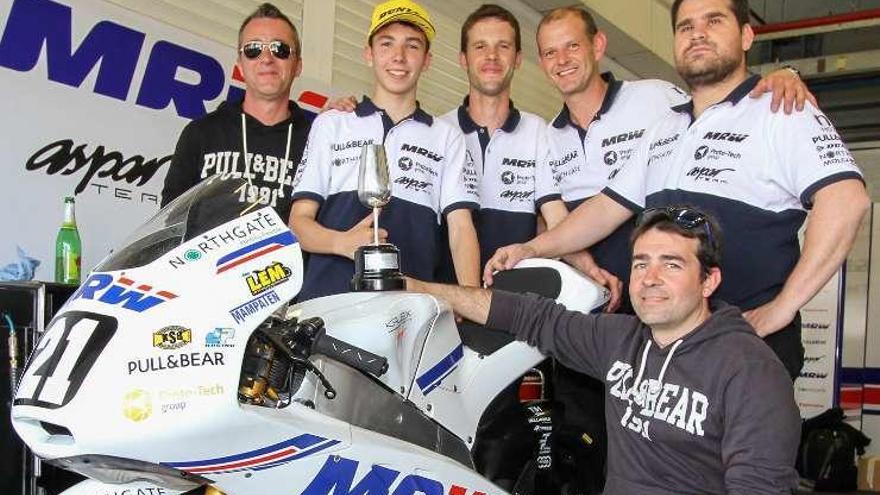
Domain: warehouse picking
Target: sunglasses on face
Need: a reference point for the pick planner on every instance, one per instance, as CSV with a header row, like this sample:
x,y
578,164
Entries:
x,y
278,49
686,218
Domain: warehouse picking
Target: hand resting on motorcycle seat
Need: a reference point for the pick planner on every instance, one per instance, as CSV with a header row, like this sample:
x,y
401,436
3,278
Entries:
x,y
544,281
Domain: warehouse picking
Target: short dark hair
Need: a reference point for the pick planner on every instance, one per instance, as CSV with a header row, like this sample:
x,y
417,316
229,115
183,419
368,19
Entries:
x,y
269,11
490,11
562,12
707,232
740,10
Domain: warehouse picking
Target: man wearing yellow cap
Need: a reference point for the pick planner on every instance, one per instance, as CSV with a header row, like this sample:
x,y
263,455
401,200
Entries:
x,y
430,177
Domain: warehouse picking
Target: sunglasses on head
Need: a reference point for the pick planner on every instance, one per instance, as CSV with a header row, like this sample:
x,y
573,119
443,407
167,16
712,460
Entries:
x,y
278,49
684,217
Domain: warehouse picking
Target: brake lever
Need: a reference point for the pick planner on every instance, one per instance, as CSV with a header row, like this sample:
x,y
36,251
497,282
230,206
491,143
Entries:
x,y
329,391
298,347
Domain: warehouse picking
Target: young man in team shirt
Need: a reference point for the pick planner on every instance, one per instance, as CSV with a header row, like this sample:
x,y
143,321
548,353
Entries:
x,y
757,171
426,157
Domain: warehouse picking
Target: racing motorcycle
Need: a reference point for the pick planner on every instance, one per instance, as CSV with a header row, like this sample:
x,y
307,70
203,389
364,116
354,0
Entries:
x,y
180,365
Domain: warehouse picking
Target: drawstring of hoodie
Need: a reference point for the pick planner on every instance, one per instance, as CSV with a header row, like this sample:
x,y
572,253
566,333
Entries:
x,y
635,388
247,162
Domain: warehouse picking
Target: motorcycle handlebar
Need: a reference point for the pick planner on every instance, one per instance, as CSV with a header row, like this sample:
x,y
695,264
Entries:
x,y
351,355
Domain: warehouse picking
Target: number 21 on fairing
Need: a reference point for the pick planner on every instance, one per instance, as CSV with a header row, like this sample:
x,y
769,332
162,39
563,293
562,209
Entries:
x,y
63,358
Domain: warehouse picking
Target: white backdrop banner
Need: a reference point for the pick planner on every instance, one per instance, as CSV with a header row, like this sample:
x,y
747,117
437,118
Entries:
x,y
820,322
95,97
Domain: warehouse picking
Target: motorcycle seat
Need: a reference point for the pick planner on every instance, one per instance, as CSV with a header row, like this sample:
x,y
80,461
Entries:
x,y
543,281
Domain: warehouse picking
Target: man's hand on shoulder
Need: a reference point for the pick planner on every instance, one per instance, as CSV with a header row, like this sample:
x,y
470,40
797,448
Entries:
x,y
345,104
506,258
786,87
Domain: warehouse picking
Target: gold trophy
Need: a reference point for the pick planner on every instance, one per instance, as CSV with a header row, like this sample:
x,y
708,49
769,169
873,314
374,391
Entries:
x,y
376,266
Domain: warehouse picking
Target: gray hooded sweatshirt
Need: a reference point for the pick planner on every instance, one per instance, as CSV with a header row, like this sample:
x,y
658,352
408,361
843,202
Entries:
x,y
713,412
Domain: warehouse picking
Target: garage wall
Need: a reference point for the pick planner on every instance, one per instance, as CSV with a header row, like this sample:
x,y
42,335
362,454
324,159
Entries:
x,y
334,33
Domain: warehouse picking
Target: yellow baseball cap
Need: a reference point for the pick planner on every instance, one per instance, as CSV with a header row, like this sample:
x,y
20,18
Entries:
x,y
401,11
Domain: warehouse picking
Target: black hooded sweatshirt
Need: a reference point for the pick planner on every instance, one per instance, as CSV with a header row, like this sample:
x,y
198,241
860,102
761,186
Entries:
x,y
713,412
213,144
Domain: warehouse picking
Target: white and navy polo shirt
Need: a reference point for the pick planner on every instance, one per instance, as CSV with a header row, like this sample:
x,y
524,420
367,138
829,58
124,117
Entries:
x,y
583,161
756,171
513,176
429,174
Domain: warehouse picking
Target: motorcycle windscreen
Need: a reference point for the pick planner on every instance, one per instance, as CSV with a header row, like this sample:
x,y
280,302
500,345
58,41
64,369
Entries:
x,y
209,204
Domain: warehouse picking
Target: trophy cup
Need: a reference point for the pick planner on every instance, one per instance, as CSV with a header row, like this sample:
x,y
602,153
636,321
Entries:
x,y
376,266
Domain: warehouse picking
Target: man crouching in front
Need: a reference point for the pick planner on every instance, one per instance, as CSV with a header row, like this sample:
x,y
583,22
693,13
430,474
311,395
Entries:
x,y
695,402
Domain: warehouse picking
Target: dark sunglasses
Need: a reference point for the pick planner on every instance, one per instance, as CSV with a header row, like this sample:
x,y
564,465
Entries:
x,y
686,218
278,49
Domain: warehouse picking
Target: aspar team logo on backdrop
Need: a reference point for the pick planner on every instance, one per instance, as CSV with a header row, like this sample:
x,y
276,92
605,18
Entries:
x,y
122,291
172,337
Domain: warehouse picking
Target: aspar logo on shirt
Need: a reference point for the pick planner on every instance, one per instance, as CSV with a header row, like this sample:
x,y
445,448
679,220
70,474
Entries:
x,y
421,151
261,280
725,136
519,196
413,184
620,138
679,406
131,295
338,474
709,174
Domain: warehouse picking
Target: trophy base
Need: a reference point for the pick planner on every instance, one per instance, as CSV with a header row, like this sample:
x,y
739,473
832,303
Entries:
x,y
377,268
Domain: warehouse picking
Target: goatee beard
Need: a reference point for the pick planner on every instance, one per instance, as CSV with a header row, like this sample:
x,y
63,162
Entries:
x,y
709,74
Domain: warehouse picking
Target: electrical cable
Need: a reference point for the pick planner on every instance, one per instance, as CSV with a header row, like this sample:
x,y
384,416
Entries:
x,y
12,342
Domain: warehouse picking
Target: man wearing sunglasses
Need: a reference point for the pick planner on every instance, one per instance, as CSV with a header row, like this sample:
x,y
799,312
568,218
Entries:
x,y
261,138
426,157
695,402
758,172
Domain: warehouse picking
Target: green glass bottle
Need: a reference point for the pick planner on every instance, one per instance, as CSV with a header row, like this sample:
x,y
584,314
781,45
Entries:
x,y
68,248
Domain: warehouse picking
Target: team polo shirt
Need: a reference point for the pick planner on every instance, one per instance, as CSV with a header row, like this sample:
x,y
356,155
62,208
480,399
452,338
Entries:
x,y
429,178
513,176
756,171
583,161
